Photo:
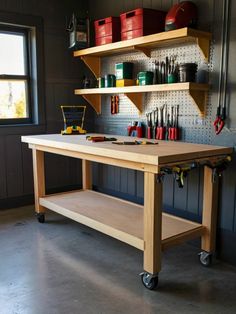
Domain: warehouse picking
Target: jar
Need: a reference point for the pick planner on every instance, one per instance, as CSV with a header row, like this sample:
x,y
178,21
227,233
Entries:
x,y
187,72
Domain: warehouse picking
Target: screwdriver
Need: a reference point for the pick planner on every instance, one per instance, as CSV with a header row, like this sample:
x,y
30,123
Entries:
x,y
161,129
149,125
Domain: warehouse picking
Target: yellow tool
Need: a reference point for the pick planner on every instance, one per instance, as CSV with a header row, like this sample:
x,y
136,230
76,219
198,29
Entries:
x,y
73,117
73,130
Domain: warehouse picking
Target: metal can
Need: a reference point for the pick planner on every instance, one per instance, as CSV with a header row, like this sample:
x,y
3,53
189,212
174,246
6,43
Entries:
x,y
101,82
110,80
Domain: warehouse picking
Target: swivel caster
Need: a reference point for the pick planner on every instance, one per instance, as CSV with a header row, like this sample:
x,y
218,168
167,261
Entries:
x,y
205,258
40,217
149,281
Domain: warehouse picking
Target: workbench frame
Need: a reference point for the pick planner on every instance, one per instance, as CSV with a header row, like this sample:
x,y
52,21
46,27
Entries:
x,y
152,242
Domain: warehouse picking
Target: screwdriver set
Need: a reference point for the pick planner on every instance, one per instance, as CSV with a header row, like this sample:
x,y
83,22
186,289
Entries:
x,y
166,71
162,123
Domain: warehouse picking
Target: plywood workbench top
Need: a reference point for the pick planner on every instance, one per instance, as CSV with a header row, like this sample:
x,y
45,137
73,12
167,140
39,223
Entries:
x,y
164,152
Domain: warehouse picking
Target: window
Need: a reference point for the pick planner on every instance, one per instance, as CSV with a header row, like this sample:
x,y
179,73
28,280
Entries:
x,y
22,90
14,76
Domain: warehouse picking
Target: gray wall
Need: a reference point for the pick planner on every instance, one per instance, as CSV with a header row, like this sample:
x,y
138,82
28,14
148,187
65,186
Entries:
x,y
62,74
185,202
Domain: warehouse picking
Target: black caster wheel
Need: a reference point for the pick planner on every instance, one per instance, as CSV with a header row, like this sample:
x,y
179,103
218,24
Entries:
x,y
40,217
205,258
149,281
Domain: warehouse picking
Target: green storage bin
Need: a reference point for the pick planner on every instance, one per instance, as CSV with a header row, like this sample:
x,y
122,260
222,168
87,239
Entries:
x,y
124,70
145,78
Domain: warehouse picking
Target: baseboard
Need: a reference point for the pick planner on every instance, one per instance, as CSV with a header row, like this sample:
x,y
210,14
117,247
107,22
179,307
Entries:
x,y
124,196
24,200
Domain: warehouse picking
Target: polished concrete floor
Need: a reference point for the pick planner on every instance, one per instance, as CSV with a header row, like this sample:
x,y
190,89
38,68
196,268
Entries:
x,y
62,267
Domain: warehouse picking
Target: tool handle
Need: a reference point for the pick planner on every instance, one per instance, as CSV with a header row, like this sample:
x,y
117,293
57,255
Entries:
x,y
223,113
160,133
139,131
176,134
149,133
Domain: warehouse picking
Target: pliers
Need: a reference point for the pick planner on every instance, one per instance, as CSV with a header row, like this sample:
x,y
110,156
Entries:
x,y
220,119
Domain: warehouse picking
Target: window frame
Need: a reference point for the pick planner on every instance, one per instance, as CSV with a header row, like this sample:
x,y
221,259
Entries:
x,y
34,25
18,30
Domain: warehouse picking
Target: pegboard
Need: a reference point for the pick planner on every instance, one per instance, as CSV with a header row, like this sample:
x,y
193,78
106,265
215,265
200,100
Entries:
x,y
193,127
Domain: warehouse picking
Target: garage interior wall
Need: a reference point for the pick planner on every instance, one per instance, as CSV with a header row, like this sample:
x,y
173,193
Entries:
x,y
63,74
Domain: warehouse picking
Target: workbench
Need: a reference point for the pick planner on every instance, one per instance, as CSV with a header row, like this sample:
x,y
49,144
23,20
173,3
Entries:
x,y
145,227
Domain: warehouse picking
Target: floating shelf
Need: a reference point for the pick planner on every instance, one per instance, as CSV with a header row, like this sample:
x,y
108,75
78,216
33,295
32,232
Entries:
x,y
145,44
198,93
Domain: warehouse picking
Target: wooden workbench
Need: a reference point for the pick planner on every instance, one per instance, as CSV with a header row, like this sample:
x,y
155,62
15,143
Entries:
x,y
144,227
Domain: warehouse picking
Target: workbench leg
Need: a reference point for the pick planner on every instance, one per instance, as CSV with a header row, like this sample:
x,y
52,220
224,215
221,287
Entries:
x,y
39,178
152,223
209,212
86,174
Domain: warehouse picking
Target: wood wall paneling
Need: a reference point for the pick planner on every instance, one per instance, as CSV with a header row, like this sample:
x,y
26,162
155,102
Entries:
x,y
168,191
227,200
140,184
3,174
27,166
192,193
14,171
123,180
180,195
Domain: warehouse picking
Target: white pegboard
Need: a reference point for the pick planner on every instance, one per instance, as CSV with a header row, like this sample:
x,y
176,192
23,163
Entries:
x,y
194,128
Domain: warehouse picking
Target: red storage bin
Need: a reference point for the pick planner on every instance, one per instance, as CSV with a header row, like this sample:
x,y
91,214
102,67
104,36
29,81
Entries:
x,y
141,22
107,30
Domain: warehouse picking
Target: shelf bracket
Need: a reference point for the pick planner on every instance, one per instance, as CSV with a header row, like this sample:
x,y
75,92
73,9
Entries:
x,y
94,101
204,45
144,50
136,99
93,63
199,98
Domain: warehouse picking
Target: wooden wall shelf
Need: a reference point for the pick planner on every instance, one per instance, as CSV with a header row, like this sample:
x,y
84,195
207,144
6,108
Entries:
x,y
91,56
198,92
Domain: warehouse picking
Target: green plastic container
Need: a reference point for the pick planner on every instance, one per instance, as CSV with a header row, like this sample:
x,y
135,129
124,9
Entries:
x,y
145,78
124,70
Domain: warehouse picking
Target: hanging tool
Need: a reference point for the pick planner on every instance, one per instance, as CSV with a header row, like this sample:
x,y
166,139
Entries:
x,y
160,135
156,123
177,130
167,125
173,133
114,104
171,128
220,118
149,125
166,70
179,172
162,72
139,129
221,109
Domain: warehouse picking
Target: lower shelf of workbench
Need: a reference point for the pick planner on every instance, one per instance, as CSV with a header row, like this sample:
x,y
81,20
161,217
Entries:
x,y
120,219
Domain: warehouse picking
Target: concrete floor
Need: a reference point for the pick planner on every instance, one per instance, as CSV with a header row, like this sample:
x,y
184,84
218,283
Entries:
x,y
62,267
